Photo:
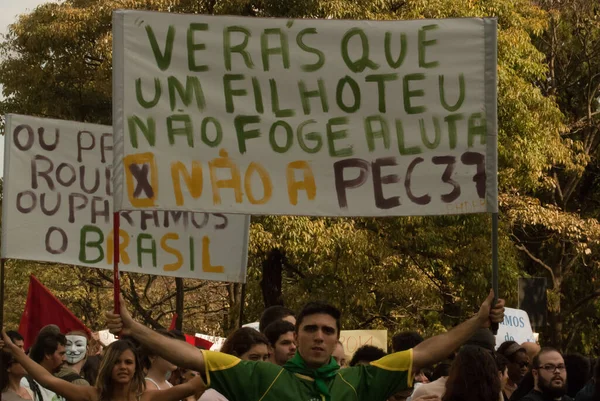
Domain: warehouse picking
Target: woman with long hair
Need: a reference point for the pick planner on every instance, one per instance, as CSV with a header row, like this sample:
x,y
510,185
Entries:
x,y
11,373
120,378
473,376
248,345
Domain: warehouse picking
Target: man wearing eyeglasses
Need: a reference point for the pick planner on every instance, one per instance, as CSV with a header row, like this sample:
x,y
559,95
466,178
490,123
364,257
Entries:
x,y
549,376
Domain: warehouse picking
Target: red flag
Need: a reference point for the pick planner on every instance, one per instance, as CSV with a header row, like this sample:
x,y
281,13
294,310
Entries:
x,y
198,342
173,322
41,309
195,341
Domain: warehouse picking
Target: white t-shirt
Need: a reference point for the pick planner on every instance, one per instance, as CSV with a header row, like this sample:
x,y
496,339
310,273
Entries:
x,y
212,395
47,395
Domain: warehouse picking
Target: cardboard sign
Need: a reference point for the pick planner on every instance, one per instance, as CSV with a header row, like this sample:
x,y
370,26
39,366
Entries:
x,y
516,327
354,339
304,117
58,208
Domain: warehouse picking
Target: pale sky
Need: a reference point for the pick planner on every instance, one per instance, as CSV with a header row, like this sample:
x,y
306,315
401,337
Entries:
x,y
10,10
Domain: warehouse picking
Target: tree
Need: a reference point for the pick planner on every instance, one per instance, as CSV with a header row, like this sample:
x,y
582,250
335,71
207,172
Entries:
x,y
396,273
556,224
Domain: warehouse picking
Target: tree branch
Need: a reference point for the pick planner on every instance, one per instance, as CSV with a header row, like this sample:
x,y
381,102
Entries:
x,y
583,301
537,260
135,302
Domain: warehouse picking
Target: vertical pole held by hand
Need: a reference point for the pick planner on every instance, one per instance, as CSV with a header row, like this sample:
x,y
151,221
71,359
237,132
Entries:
x,y
494,326
2,262
116,257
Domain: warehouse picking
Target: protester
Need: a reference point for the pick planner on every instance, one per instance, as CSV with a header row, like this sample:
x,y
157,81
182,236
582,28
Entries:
x,y
339,354
591,391
473,377
549,376
406,340
281,338
366,354
158,369
76,356
16,338
177,375
50,353
312,373
524,387
531,348
121,377
441,370
578,371
273,314
502,366
95,346
91,368
188,375
518,365
248,345
481,338
11,374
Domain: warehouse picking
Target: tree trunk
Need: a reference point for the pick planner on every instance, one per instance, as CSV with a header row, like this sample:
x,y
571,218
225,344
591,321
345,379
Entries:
x,y
556,330
272,269
232,318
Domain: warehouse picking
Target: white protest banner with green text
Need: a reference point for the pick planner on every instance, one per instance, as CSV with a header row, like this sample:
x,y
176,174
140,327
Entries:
x,y
304,117
57,207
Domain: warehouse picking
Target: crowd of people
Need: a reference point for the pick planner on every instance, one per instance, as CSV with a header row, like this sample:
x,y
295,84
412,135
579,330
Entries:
x,y
291,357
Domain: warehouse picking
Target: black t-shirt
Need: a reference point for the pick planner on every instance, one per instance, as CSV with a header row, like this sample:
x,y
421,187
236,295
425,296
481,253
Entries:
x,y
535,395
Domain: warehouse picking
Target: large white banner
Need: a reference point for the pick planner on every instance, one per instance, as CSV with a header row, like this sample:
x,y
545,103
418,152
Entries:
x,y
304,117
57,207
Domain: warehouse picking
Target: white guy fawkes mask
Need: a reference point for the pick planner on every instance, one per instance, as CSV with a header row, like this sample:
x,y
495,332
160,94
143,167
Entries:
x,y
76,348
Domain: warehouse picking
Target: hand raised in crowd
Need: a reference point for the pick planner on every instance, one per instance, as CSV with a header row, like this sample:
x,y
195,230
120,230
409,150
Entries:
x,y
488,314
121,323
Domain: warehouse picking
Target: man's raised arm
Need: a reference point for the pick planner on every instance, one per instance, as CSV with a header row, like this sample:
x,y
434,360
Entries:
x,y
178,352
439,347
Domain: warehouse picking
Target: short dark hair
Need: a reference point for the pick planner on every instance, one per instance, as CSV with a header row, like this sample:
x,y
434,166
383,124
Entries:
x,y
501,362
545,350
367,353
441,369
318,307
242,340
578,368
273,314
14,336
277,329
406,340
46,343
510,349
